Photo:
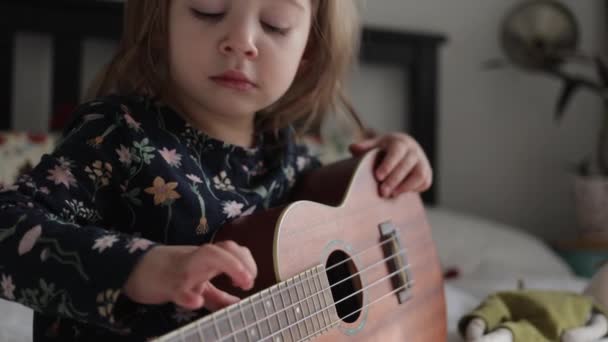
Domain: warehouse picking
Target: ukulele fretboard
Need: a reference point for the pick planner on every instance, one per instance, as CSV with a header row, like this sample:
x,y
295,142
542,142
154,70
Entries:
x,y
294,310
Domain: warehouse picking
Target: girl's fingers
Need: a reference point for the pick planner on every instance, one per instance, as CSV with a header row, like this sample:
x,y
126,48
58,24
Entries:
x,y
204,294
398,174
394,154
411,183
426,184
211,260
242,253
216,299
419,180
189,300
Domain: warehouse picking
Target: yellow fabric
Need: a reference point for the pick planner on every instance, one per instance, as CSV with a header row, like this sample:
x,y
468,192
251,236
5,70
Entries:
x,y
533,315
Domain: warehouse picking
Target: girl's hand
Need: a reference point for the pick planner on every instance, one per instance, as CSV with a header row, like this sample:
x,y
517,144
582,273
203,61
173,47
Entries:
x,y
404,167
182,274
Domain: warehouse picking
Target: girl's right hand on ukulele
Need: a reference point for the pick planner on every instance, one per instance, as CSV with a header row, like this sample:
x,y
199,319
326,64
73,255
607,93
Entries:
x,y
182,274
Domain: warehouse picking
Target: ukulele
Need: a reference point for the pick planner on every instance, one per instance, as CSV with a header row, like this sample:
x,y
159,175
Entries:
x,y
339,263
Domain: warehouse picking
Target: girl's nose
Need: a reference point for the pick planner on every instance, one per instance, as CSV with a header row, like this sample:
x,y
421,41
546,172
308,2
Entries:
x,y
240,42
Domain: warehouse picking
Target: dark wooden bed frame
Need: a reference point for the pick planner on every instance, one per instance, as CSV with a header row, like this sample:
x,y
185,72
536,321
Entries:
x,y
68,22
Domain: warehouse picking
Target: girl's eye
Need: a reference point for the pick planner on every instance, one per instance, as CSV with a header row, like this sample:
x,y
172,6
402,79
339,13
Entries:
x,y
207,16
274,29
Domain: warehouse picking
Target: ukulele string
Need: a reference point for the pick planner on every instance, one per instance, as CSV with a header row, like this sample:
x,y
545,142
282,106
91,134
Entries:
x,y
206,323
331,325
376,282
380,262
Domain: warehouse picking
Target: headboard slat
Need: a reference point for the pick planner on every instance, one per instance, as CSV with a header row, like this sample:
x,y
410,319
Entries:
x,y
66,75
7,46
424,106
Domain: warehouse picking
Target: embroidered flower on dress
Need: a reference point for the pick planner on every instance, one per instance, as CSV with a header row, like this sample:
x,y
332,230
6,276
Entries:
x,y
124,155
60,175
65,162
163,192
44,254
76,209
290,174
203,226
95,142
249,211
194,178
222,182
8,287
107,300
171,157
100,172
105,242
129,119
29,240
258,169
138,244
302,162
232,208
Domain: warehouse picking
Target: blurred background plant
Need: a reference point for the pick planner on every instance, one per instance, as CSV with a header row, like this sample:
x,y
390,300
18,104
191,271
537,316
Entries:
x,y
542,36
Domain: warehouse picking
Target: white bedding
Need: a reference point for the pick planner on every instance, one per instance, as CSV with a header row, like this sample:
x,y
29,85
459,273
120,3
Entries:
x,y
15,322
489,256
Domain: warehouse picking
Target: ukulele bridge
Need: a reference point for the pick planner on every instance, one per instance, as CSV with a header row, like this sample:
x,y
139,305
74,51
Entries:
x,y
396,259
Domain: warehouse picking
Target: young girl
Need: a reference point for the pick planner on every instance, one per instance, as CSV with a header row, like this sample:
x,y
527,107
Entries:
x,y
106,239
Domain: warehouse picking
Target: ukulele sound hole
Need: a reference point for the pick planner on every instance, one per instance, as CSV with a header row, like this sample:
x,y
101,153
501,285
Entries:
x,y
343,292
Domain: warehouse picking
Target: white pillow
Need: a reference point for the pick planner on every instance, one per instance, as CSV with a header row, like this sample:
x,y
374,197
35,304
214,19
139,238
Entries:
x,y
468,243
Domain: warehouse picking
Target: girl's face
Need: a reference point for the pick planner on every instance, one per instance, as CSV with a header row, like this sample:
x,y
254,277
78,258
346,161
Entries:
x,y
232,58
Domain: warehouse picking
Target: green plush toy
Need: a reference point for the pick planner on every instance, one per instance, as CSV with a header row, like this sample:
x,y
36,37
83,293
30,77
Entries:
x,y
536,316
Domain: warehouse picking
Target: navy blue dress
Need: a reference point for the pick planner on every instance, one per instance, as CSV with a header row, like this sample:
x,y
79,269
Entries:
x,y
128,173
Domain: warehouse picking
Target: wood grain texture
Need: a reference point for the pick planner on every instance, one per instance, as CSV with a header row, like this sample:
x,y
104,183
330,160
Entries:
x,y
301,235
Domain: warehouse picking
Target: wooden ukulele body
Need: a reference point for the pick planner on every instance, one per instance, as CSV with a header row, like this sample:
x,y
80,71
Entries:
x,y
338,215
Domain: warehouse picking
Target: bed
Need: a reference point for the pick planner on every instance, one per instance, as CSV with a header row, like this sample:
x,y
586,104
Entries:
x,y
489,256
483,255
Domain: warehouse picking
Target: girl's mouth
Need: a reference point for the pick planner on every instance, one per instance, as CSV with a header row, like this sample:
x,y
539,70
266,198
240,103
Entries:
x,y
234,80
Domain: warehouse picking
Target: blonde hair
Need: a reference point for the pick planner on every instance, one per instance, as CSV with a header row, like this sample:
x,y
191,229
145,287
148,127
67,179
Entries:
x,y
140,64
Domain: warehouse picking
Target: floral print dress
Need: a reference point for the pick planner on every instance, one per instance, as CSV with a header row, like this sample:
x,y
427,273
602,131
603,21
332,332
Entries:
x,y
128,173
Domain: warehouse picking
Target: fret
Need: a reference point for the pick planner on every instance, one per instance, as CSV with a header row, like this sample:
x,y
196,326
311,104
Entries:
x,y
314,318
321,308
190,335
289,311
329,298
182,335
200,332
249,321
230,321
282,317
258,311
218,333
319,290
223,323
296,308
239,333
205,330
308,326
273,319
